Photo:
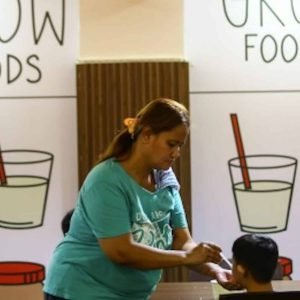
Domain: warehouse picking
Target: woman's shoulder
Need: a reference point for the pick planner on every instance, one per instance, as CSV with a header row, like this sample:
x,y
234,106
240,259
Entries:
x,y
105,171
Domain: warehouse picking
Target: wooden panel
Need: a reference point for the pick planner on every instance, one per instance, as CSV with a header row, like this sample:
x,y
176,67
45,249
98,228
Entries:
x,y
109,92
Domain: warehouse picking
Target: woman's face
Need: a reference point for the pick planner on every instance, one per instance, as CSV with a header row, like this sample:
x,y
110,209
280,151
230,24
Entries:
x,y
164,148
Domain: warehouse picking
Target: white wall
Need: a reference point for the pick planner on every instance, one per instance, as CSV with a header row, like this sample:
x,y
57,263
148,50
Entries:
x,y
262,87
38,94
38,113
43,115
131,29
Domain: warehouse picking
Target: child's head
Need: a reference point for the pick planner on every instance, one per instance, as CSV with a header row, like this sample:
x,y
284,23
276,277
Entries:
x,y
255,258
65,222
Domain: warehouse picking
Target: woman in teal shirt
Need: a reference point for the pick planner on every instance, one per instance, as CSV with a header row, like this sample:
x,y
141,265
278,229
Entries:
x,y
129,222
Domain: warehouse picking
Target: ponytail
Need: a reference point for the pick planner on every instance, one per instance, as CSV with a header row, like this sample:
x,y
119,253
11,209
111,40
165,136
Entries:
x,y
119,146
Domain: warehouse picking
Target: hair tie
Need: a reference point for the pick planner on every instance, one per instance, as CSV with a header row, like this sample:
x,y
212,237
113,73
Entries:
x,y
130,124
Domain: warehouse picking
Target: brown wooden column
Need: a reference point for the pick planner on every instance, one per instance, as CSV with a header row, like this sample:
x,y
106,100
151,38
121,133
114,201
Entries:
x,y
109,92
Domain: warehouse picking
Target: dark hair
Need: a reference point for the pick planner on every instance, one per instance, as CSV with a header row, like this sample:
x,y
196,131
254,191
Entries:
x,y
258,254
160,115
65,222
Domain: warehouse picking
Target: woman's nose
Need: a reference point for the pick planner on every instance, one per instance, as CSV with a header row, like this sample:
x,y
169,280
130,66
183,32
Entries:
x,y
176,152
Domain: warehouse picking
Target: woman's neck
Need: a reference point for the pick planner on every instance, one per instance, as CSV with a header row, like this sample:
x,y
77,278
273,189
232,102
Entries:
x,y
140,172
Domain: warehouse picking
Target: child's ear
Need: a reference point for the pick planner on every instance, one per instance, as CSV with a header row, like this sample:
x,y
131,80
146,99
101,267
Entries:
x,y
241,270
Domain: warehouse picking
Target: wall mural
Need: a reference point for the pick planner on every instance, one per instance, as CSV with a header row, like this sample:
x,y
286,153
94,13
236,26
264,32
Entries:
x,y
244,93
259,182
38,53
25,178
21,280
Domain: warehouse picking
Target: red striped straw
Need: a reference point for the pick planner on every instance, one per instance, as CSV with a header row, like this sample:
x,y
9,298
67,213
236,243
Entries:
x,y
3,179
240,150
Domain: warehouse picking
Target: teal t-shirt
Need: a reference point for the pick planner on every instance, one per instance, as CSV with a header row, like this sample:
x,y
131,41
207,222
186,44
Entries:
x,y
111,203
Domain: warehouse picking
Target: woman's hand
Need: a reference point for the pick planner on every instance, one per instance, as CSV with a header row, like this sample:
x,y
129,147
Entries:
x,y
202,253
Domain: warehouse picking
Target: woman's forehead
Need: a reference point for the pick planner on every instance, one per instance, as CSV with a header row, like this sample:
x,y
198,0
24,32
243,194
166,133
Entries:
x,y
178,133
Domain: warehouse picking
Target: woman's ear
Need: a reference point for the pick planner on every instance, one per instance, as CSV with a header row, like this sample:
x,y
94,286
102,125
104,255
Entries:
x,y
145,134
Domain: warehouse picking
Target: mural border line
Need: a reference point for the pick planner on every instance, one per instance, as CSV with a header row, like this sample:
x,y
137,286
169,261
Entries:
x,y
245,92
38,97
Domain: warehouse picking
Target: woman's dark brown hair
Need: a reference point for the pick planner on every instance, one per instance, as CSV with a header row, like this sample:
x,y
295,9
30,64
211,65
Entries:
x,y
159,115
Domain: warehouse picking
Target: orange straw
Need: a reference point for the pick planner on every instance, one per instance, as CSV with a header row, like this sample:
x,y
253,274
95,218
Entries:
x,y
3,179
240,150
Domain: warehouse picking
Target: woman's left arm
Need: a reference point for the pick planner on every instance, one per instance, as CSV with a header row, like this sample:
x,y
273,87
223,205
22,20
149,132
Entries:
x,y
183,240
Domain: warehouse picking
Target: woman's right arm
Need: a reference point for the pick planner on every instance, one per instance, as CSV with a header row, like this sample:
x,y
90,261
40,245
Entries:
x,y
124,250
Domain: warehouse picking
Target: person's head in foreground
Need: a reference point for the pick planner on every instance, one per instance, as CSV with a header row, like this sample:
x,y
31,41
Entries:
x,y
255,259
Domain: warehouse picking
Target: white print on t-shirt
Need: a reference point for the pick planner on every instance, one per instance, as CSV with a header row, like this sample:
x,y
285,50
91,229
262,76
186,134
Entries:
x,y
156,234
155,215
